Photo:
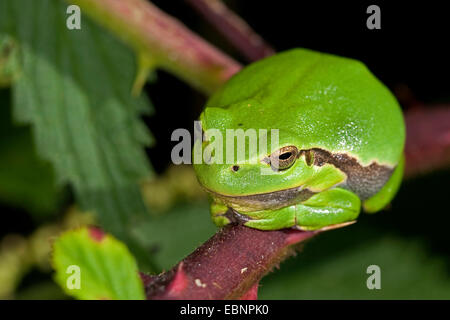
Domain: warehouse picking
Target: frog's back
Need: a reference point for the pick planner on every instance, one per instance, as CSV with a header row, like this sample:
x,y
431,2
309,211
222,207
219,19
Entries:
x,y
320,101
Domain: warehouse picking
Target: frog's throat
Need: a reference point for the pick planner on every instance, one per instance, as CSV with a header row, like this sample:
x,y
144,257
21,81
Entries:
x,y
264,201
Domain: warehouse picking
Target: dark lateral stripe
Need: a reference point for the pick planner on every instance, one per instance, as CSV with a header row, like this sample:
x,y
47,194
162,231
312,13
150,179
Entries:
x,y
365,181
270,200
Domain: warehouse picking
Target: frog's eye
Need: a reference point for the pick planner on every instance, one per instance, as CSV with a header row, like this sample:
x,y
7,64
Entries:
x,y
283,158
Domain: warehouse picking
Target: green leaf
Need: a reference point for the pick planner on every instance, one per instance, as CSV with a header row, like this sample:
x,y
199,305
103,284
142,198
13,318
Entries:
x,y
26,181
74,89
107,270
9,64
175,234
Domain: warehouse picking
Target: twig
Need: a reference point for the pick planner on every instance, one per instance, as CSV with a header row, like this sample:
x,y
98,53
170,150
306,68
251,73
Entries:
x,y
233,28
162,41
227,266
427,139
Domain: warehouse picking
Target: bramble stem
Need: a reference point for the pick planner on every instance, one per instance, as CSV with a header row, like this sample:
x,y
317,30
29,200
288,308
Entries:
x,y
233,28
163,41
227,266
427,139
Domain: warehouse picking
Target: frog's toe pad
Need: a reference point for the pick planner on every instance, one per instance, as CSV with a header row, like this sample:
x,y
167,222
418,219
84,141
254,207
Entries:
x,y
330,227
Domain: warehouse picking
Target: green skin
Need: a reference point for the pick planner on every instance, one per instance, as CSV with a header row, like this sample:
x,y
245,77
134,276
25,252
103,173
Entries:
x,y
315,100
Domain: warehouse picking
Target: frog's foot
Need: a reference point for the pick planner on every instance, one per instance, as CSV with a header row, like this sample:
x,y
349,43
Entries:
x,y
331,227
329,209
235,217
219,214
263,220
222,215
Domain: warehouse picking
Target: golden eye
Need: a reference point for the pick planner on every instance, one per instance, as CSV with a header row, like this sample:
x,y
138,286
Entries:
x,y
283,158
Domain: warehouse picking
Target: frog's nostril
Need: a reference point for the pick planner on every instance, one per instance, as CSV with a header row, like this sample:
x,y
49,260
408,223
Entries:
x,y
235,168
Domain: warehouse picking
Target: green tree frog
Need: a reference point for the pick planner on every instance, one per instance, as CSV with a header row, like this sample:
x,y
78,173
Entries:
x,y
340,145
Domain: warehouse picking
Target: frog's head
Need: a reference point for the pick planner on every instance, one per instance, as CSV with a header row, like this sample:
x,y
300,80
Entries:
x,y
273,170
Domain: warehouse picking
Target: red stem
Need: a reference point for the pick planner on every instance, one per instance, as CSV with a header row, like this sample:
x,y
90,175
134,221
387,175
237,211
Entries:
x,y
227,266
163,42
233,28
427,139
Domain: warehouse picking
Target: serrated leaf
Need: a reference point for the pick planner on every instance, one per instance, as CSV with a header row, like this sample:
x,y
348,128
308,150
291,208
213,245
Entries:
x,y
105,267
177,233
9,65
25,180
75,90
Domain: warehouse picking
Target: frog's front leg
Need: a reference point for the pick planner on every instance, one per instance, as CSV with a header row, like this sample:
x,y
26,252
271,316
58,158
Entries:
x,y
263,220
219,214
324,209
328,208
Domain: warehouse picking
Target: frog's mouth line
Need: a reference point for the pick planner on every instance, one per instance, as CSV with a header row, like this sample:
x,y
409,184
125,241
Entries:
x,y
264,201
365,181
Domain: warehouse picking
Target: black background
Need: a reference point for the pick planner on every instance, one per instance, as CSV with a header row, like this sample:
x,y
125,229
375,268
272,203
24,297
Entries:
x,y
411,49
